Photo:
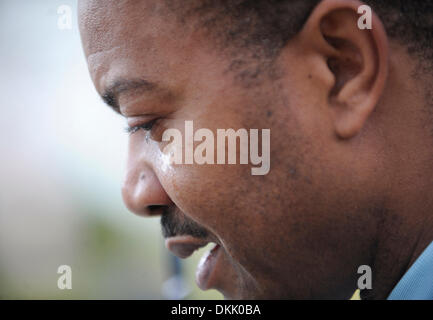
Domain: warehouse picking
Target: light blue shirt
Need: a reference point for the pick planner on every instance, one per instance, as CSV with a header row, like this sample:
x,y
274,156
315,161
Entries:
x,y
417,283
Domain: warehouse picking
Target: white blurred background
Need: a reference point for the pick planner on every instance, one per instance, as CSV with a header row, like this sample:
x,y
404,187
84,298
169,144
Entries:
x,y
62,158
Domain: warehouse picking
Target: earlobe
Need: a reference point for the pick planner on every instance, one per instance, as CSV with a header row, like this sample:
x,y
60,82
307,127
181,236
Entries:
x,y
356,58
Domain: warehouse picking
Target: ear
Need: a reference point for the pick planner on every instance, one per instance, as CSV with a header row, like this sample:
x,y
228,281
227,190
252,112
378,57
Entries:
x,y
356,59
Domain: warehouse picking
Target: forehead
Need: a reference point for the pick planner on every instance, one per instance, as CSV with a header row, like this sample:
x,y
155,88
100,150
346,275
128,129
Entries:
x,y
106,23
131,39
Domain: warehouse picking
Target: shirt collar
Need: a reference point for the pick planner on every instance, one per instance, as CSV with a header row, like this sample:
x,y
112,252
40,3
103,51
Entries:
x,y
417,283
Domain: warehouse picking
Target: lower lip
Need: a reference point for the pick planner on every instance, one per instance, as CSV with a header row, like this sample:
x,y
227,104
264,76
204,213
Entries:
x,y
206,267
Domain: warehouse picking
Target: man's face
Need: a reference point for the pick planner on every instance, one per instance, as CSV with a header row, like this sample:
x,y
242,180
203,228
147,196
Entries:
x,y
288,234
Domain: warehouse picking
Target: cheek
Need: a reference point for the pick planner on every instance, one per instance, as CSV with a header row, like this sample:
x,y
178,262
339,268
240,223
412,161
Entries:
x,y
216,196
226,200
204,192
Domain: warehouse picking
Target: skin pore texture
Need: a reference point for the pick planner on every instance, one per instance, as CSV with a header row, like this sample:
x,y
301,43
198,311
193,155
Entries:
x,y
351,174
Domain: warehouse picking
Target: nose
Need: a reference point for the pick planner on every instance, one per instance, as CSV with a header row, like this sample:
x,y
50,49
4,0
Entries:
x,y
143,193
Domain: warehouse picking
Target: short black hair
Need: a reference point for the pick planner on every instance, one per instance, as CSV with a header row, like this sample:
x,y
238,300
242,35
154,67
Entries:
x,y
410,23
267,25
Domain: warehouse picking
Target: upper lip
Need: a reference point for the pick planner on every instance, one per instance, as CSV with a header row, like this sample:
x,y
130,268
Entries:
x,y
184,246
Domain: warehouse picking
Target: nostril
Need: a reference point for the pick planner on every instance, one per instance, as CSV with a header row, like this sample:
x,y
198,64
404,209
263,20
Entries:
x,y
156,209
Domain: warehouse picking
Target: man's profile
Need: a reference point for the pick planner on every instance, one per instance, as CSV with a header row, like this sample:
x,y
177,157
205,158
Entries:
x,y
350,113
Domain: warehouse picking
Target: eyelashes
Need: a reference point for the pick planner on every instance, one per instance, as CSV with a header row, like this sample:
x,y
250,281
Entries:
x,y
145,126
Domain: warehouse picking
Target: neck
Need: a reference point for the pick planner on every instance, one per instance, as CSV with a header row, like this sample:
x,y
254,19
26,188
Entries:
x,y
405,230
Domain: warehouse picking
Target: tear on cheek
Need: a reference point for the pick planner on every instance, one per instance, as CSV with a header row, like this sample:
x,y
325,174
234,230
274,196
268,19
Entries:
x,y
167,157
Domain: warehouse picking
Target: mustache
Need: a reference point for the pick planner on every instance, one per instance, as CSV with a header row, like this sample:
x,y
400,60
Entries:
x,y
175,223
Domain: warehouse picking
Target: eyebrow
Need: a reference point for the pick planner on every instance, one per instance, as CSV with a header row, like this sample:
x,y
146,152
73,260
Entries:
x,y
112,92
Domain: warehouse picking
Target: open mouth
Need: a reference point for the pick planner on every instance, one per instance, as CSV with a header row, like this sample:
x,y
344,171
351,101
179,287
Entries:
x,y
207,268
184,247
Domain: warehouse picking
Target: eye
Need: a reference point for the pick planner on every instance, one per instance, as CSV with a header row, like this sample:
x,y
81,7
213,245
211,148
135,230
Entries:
x,y
145,126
